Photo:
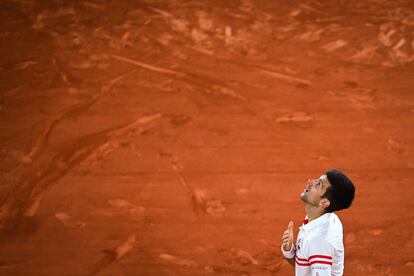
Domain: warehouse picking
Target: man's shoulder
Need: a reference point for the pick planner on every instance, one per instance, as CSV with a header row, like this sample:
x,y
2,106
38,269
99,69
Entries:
x,y
334,220
335,232
331,223
330,232
334,227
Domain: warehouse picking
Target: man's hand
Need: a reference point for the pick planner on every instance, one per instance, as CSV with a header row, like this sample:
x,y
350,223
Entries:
x,y
287,238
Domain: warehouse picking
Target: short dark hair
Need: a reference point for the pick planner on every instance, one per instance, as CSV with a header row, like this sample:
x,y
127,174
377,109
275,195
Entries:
x,y
341,192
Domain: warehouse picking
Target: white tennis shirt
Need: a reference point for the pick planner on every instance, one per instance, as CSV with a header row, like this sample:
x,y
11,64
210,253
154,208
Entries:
x,y
319,249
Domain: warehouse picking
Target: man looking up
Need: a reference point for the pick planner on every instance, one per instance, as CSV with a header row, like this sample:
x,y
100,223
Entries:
x,y
319,249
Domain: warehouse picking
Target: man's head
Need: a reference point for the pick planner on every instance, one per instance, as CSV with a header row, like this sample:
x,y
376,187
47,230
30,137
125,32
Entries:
x,y
332,192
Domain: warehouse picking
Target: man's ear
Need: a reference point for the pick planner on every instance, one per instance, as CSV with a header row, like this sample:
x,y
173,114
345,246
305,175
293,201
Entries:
x,y
324,203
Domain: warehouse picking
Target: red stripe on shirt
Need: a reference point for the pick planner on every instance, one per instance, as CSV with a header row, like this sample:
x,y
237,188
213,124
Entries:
x,y
320,262
305,264
320,256
313,257
312,263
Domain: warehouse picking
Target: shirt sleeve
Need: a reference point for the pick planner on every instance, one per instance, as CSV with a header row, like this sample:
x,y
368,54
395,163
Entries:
x,y
320,257
289,254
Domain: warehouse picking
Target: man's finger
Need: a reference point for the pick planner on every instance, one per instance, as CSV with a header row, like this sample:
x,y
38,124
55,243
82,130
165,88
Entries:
x,y
287,246
290,227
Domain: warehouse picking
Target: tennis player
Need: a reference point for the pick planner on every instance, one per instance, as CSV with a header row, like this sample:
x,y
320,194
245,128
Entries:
x,y
319,249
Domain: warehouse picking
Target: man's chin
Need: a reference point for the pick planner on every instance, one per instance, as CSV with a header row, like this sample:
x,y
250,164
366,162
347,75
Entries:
x,y
303,196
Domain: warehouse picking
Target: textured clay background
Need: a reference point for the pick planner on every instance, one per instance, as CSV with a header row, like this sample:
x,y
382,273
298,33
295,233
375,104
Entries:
x,y
174,137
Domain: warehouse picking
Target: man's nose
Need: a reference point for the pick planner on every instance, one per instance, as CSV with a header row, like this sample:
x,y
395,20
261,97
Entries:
x,y
311,183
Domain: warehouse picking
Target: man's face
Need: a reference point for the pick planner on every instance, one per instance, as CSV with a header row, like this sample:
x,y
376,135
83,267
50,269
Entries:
x,y
314,190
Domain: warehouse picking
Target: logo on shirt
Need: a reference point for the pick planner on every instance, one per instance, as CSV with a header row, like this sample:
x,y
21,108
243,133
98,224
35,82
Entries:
x,y
319,267
299,243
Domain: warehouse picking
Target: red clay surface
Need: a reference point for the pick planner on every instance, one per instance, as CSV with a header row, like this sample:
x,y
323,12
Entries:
x,y
174,137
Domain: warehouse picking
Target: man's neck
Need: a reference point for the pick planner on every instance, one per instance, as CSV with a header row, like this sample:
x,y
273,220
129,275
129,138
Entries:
x,y
313,212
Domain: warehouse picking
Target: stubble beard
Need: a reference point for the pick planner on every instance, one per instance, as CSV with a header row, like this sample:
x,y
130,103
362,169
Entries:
x,y
303,197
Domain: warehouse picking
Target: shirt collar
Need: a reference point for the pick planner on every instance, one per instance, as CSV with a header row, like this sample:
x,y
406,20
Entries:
x,y
316,222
